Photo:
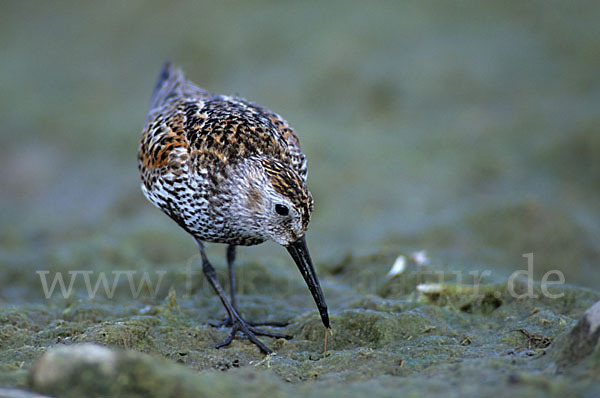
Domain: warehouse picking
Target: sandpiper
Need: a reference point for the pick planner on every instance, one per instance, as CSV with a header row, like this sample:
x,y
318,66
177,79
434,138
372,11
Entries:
x,y
227,171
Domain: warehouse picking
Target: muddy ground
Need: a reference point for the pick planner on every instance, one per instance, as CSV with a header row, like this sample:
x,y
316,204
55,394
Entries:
x,y
469,130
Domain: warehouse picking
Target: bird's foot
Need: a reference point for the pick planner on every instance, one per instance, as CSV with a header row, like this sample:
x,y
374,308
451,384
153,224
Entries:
x,y
239,325
227,322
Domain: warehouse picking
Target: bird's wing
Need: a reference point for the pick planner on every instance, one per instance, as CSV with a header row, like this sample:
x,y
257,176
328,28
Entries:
x,y
296,156
172,88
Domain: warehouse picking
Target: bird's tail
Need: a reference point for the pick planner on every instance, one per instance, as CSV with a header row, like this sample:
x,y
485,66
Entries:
x,y
171,83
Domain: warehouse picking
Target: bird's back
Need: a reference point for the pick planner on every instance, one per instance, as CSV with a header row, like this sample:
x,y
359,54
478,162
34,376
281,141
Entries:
x,y
192,138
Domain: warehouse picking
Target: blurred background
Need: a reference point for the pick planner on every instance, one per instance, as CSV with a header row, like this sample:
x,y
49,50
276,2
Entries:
x,y
468,129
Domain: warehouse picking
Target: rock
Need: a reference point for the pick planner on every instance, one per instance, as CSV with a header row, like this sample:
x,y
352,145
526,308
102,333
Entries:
x,y
580,343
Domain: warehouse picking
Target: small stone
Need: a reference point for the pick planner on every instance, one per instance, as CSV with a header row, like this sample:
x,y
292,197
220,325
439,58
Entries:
x,y
53,366
576,345
92,370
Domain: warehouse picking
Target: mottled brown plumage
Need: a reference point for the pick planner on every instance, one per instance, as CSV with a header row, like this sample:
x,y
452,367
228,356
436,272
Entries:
x,y
227,171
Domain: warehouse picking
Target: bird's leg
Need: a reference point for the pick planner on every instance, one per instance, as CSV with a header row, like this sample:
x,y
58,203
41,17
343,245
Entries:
x,y
230,254
238,324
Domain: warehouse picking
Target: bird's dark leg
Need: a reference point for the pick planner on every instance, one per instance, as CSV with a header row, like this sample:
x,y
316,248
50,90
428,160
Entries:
x,y
230,254
238,324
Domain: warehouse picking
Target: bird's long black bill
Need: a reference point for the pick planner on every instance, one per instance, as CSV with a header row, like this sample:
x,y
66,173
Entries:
x,y
299,252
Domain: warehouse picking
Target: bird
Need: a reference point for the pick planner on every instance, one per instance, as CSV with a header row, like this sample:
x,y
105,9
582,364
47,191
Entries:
x,y
227,171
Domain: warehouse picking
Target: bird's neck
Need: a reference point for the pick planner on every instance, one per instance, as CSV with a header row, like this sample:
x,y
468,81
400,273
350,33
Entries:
x,y
244,190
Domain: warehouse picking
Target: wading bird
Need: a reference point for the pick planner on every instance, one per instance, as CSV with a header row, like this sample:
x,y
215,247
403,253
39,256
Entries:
x,y
227,171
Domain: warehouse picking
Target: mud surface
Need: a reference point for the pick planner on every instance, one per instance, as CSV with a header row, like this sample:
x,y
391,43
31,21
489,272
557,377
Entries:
x,y
466,130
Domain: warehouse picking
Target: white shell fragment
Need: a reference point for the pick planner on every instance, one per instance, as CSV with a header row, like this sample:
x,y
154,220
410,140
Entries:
x,y
429,288
592,315
398,267
420,257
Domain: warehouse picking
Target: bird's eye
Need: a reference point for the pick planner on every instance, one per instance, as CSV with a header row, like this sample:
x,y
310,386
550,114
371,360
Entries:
x,y
282,210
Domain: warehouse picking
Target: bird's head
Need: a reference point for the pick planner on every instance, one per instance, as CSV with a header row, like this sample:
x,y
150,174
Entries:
x,y
273,202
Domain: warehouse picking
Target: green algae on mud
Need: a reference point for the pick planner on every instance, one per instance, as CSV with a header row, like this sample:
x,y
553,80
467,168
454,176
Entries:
x,y
467,129
384,340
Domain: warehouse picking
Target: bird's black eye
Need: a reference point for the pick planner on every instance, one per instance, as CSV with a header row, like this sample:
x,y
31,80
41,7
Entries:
x,y
282,210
